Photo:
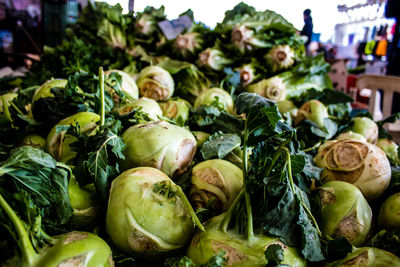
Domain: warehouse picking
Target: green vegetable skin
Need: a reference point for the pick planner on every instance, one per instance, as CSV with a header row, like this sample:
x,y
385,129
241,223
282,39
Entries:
x,y
57,144
128,85
344,212
218,179
73,248
148,105
215,94
176,109
143,222
368,169
83,203
272,88
45,89
160,144
156,83
367,257
314,111
367,128
390,148
239,250
389,213
5,102
201,138
76,248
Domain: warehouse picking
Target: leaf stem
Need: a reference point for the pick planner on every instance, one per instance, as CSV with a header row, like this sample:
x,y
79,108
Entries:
x,y
250,231
188,206
102,110
228,214
291,182
28,252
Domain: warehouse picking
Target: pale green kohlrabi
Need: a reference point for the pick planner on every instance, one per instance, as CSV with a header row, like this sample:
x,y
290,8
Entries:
x,y
128,85
239,250
343,212
272,88
214,59
156,83
280,57
176,109
367,128
57,143
148,215
390,148
83,202
389,213
70,249
351,135
312,110
219,95
215,184
359,163
159,144
147,105
187,45
367,257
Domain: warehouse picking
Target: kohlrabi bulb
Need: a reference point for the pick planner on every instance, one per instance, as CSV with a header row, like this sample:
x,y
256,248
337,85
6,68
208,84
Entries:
x,y
314,111
389,213
239,250
156,83
128,85
367,128
367,257
390,148
351,135
147,105
147,214
344,212
219,95
45,89
272,88
215,183
176,109
77,249
57,144
159,144
280,57
359,163
214,59
187,45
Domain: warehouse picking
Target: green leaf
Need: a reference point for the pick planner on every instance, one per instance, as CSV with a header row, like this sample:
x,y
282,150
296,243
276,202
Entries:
x,y
179,262
218,260
46,181
219,145
98,156
274,254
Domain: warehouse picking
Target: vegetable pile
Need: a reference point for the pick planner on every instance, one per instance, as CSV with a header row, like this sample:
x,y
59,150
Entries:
x,y
218,147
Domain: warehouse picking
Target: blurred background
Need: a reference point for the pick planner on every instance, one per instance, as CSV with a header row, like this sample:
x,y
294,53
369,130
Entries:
x,y
347,31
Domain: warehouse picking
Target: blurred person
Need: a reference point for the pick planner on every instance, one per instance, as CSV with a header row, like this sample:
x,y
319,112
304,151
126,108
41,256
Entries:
x,y
392,10
307,28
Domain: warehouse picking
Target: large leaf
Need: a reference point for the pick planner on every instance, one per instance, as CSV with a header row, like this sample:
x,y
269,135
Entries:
x,y
45,180
219,145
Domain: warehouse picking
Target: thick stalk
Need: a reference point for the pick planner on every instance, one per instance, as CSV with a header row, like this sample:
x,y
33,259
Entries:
x,y
228,214
5,109
102,110
188,206
29,254
250,231
289,168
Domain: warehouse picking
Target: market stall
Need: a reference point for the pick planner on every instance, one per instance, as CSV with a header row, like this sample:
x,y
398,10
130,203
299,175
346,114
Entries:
x,y
142,141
